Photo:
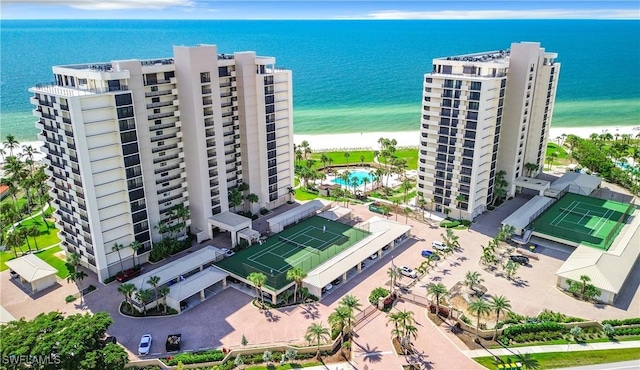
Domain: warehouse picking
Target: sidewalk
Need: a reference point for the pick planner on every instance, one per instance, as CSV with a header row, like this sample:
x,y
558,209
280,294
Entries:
x,y
552,348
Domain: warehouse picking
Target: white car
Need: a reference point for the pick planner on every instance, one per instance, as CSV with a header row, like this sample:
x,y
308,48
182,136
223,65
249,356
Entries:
x,y
373,256
227,252
145,344
408,272
328,287
438,245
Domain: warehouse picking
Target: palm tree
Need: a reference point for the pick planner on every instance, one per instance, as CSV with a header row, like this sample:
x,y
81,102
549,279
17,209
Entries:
x,y
154,281
584,279
406,186
510,268
365,182
77,276
324,159
346,156
182,213
252,198
258,279
438,291
340,318
528,362
2,154
14,240
479,307
352,303
33,231
144,296
11,144
164,291
296,274
73,259
316,332
407,211
461,198
127,289
235,198
499,304
135,246
396,207
472,278
116,248
393,273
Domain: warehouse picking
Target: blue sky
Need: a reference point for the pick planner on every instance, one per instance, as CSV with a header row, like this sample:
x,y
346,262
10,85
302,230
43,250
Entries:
x,y
318,9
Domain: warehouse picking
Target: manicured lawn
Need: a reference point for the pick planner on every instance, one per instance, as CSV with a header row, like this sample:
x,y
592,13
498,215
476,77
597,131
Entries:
x,y
410,155
302,194
48,257
554,360
45,239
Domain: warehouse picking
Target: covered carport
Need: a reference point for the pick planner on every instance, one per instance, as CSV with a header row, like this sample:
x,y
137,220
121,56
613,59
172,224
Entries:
x,y
384,233
530,183
230,222
200,284
523,216
292,216
34,272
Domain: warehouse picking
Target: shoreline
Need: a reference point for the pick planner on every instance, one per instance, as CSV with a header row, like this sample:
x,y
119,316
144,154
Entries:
x,y
406,139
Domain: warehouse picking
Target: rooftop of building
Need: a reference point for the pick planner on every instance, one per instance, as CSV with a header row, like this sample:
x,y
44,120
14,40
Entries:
x,y
485,56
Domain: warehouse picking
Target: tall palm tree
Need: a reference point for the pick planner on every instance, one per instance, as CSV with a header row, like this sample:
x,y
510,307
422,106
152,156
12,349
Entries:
x,y
164,291
11,143
292,192
340,318
252,198
258,279
352,303
33,231
479,307
296,274
499,304
77,276
410,331
316,332
346,157
116,248
135,246
461,198
365,182
14,240
182,213
438,291
127,289
584,279
324,159
144,296
393,273
154,281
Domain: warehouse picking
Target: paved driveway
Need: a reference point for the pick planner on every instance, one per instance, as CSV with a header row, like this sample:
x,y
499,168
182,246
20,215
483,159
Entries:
x,y
222,320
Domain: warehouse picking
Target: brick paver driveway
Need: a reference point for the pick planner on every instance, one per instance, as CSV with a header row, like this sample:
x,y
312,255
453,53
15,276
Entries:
x,y
226,317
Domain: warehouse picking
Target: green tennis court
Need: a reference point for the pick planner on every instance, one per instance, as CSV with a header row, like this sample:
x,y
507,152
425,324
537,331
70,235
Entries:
x,y
306,244
584,220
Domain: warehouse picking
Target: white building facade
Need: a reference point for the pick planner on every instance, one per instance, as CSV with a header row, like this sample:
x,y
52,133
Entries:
x,y
484,116
127,142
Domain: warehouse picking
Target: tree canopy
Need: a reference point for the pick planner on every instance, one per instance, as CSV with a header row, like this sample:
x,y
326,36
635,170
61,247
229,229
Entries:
x,y
53,341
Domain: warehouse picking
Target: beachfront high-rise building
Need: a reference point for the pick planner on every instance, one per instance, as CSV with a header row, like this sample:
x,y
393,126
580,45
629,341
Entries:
x,y
485,123
130,141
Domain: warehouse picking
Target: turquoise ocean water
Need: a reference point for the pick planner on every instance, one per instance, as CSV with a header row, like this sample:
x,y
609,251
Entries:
x,y
349,76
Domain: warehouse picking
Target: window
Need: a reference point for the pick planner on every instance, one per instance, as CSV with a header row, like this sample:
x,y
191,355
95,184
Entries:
x,y
474,95
125,112
476,85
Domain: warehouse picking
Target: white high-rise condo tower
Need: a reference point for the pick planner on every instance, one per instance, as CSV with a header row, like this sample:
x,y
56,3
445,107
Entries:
x,y
485,122
129,141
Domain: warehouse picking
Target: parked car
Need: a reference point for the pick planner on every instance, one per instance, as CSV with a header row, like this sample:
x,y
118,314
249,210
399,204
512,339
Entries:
x,y
523,260
408,272
13,274
438,245
227,252
373,256
128,275
145,344
327,288
430,254
336,282
173,342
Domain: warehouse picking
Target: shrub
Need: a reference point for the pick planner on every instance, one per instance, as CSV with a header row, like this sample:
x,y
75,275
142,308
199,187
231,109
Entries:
x,y
515,330
466,223
449,224
616,322
627,331
110,279
264,211
376,294
198,357
70,298
465,319
442,311
548,315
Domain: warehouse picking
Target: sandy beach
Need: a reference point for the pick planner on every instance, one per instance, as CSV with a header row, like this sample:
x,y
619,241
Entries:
x,y
369,140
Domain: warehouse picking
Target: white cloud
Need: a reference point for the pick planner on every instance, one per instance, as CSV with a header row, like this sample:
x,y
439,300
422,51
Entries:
x,y
108,4
507,14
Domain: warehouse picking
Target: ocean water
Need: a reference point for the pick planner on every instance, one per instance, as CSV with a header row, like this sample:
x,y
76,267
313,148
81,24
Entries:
x,y
349,76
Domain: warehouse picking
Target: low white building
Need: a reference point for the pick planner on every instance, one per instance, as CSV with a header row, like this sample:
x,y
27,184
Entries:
x,y
33,271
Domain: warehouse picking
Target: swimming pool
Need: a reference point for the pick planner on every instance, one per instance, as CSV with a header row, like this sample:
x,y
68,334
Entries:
x,y
358,174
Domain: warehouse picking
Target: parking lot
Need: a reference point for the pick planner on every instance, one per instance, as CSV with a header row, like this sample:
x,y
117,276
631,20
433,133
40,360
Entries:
x,y
224,319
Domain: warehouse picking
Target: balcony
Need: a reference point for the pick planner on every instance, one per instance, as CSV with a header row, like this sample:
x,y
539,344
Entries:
x,y
161,115
159,104
157,93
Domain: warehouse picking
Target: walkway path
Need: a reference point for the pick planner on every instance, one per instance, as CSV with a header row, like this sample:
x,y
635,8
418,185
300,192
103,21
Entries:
x,y
552,348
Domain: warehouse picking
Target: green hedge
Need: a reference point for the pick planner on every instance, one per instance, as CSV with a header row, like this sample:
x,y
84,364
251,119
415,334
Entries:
x,y
515,330
627,331
616,322
447,224
376,294
196,357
